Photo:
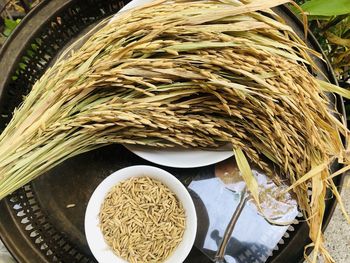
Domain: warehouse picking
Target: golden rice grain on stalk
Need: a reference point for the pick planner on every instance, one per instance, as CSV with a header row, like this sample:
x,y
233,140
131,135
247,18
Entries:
x,y
197,74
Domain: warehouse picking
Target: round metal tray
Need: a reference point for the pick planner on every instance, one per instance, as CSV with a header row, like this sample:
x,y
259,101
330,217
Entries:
x,y
35,223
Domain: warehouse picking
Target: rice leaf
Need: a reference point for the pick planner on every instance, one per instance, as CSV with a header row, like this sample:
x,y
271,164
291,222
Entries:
x,y
326,86
247,174
309,175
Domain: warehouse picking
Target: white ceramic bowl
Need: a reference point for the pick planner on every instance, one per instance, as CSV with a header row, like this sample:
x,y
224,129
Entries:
x,y
102,252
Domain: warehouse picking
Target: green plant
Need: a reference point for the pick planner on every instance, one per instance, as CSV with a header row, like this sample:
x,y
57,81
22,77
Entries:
x,y
326,7
330,22
10,25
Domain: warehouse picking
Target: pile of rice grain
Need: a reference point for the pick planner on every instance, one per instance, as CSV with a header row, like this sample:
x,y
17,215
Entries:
x,y
142,220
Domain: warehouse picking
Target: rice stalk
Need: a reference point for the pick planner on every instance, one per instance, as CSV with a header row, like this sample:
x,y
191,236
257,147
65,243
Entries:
x,y
199,74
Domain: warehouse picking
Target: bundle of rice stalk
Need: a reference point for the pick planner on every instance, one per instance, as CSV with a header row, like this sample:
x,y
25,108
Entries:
x,y
192,74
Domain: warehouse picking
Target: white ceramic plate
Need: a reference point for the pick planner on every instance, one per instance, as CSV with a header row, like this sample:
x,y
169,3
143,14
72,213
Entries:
x,y
181,157
176,157
132,4
101,251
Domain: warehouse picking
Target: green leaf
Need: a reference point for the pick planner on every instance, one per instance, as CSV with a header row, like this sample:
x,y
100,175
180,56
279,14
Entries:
x,y
30,53
34,46
327,7
22,66
311,17
10,25
7,32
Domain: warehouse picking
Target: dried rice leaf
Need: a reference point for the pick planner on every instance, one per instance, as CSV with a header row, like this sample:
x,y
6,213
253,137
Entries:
x,y
247,174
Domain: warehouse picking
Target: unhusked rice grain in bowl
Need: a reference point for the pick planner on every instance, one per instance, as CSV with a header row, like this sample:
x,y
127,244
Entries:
x,y
142,220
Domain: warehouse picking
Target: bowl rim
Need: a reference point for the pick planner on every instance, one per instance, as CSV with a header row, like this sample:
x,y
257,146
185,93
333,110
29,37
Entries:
x,y
100,249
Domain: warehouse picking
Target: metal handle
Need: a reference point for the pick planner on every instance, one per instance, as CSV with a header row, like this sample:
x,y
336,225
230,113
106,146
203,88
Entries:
x,y
219,257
